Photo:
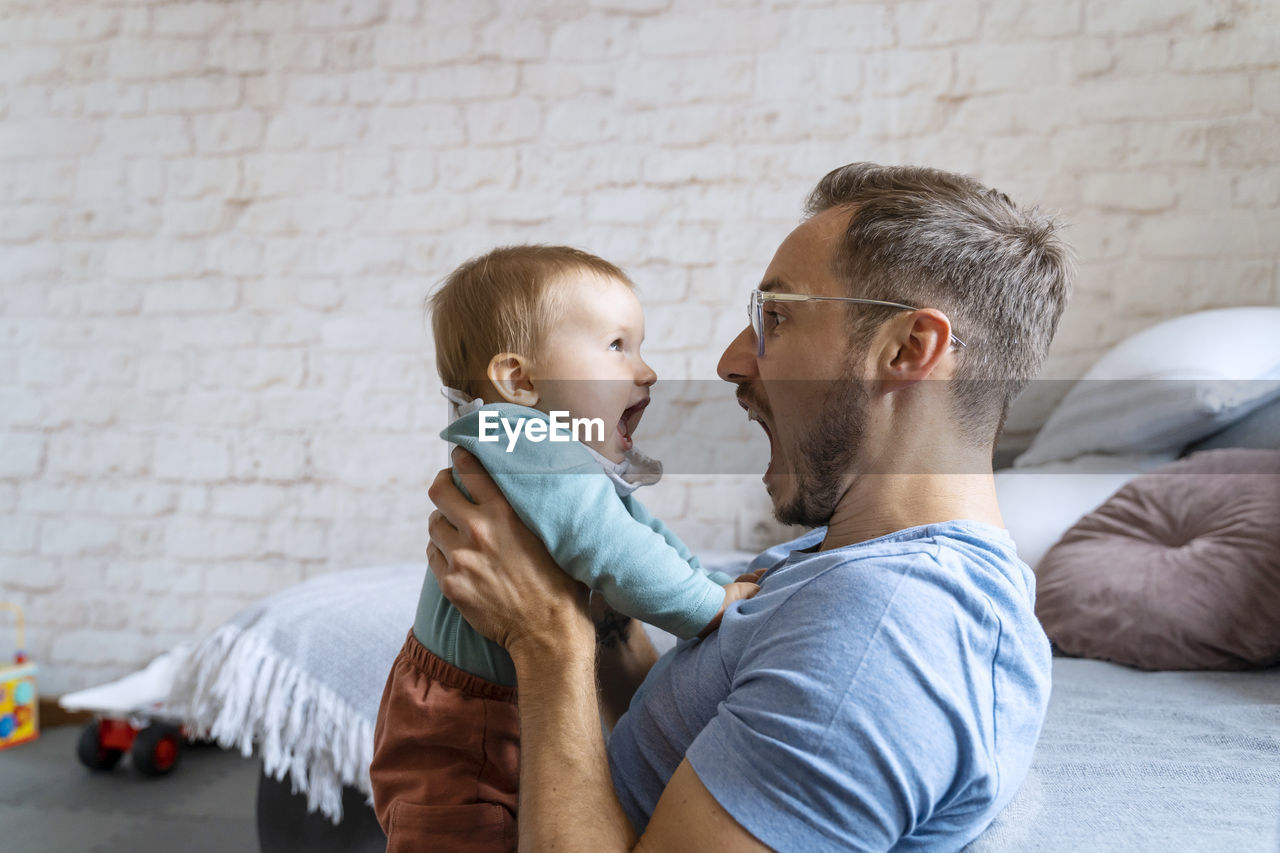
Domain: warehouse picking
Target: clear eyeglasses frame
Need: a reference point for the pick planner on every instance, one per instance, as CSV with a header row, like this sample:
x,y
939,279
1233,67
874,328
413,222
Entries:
x,y
755,309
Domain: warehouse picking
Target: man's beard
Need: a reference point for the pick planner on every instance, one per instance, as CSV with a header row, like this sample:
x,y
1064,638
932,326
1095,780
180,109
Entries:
x,y
825,456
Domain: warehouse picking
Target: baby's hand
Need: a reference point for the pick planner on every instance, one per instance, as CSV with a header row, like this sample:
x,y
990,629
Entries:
x,y
740,590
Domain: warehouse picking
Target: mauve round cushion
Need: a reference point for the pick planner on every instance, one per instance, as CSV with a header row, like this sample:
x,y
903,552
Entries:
x,y
1179,569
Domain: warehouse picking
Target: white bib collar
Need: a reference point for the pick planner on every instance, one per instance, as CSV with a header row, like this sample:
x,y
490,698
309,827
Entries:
x,y
459,403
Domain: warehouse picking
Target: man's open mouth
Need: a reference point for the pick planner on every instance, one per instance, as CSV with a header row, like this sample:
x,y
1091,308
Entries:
x,y
629,421
754,415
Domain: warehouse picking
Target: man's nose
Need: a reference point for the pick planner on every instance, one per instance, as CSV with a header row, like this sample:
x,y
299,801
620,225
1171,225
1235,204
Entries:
x,y
738,362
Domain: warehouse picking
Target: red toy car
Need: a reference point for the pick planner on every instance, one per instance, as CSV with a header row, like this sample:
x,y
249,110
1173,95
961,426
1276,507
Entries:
x,y
154,747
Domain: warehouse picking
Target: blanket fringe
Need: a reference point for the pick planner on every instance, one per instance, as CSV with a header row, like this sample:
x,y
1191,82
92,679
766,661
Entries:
x,y
238,690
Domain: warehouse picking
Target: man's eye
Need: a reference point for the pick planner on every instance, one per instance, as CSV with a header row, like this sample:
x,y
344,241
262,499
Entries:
x,y
616,346
772,319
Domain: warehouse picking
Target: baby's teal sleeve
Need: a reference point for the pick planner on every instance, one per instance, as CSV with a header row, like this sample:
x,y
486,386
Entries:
x,y
558,490
640,514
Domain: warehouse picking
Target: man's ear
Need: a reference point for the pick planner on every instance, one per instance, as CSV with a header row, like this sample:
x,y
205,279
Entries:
x,y
509,373
917,346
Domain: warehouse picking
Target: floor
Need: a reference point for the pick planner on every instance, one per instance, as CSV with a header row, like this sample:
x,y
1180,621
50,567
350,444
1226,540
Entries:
x,y
50,803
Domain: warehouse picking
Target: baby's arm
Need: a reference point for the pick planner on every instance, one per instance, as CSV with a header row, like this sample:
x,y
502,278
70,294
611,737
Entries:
x,y
734,590
560,493
639,513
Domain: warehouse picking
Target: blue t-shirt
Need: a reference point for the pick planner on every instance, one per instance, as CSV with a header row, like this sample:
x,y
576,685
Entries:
x,y
884,695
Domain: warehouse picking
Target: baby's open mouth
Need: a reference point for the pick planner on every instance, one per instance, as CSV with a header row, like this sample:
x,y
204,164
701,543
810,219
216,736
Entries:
x,y
629,421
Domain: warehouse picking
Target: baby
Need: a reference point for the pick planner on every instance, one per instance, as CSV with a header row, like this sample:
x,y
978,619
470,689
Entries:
x,y
537,346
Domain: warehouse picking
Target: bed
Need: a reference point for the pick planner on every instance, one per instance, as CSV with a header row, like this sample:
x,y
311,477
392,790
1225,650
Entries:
x,y
1141,761
1128,760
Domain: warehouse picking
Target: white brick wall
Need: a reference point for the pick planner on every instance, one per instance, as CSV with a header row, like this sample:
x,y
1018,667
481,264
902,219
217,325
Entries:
x,y
218,220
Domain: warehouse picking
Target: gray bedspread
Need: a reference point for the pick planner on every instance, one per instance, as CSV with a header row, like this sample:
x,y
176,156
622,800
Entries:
x,y
1128,760
1150,761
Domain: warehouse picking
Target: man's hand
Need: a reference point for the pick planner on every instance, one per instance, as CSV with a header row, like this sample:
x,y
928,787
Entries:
x,y
496,571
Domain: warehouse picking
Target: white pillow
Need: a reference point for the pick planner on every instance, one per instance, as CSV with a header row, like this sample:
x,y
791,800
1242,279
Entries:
x,y
1167,386
1039,503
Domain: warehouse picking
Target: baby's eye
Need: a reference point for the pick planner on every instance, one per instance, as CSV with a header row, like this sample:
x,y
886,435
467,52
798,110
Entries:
x,y
616,346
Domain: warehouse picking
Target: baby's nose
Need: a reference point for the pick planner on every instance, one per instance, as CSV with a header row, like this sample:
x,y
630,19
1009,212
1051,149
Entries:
x,y
646,374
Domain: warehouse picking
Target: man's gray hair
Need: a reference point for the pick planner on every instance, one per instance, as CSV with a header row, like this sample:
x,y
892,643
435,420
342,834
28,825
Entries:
x,y
936,239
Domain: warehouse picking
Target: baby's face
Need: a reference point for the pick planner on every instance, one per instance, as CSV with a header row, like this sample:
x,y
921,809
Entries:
x,y
590,364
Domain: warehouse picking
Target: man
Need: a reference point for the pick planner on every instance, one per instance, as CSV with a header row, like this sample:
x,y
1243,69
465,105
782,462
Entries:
x,y
886,687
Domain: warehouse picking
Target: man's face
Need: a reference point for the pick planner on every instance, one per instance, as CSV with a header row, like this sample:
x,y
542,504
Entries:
x,y
803,390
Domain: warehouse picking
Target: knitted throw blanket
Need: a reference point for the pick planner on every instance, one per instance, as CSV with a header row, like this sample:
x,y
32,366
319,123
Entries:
x,y
300,675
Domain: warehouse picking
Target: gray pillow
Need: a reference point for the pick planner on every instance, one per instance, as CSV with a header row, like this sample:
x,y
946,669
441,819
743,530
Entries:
x,y
1259,430
1179,569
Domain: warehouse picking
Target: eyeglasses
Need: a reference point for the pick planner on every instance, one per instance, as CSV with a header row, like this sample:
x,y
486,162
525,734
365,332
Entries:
x,y
755,310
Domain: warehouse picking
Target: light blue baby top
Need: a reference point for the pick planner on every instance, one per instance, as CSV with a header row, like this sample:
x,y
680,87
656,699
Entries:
x,y
592,526
882,696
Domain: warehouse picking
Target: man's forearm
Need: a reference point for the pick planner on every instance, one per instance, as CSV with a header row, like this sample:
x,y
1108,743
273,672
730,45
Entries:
x,y
567,801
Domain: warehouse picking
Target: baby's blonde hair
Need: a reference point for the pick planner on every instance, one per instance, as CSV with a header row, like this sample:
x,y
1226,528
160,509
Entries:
x,y
502,301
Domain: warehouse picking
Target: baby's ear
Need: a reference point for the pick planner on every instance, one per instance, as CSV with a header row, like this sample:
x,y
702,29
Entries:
x,y
509,373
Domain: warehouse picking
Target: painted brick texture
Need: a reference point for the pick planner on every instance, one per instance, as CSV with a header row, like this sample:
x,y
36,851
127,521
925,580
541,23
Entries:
x,y
218,221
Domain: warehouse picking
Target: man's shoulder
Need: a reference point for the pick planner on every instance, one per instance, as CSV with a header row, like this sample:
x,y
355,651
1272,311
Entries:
x,y
958,544
961,575
888,653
